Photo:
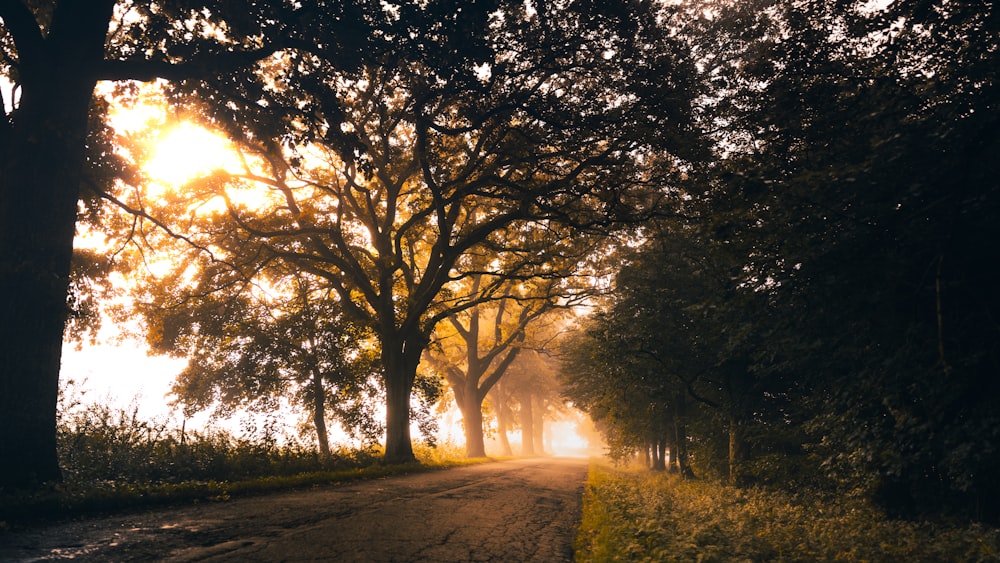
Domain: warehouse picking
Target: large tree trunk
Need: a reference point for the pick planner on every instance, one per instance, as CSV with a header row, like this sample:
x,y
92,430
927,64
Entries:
x,y
738,452
400,357
467,399
659,454
319,415
41,163
472,420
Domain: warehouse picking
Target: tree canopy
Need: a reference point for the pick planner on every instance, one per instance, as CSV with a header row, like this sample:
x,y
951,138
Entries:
x,y
53,54
424,171
850,204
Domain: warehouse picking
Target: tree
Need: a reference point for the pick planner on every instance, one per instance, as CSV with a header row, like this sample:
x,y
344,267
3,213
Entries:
x,y
473,362
674,352
475,347
424,165
54,53
533,395
624,393
501,399
253,343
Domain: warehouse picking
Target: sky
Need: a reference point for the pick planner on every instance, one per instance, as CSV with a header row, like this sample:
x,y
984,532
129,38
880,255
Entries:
x,y
117,372
121,373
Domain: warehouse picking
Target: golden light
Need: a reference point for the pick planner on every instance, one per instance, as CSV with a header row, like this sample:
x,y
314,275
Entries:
x,y
186,151
565,439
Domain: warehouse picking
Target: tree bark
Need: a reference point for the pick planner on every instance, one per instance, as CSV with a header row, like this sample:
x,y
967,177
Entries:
x,y
659,454
400,357
472,421
467,398
319,415
41,163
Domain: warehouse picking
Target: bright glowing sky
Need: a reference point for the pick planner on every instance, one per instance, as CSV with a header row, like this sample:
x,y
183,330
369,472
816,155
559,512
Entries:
x,y
187,150
120,373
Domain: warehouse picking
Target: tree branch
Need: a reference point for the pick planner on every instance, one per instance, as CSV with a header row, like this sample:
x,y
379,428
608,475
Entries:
x,y
203,66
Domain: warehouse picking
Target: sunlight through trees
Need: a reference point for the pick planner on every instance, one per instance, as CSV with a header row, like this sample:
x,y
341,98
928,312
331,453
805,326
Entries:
x,y
751,240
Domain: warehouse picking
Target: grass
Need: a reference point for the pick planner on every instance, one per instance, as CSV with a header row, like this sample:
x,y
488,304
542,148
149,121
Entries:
x,y
114,460
637,515
65,501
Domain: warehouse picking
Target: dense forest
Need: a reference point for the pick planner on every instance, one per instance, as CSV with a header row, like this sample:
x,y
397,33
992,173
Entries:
x,y
822,308
751,239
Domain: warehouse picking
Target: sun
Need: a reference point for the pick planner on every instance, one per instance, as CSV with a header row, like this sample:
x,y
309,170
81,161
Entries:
x,y
173,149
185,151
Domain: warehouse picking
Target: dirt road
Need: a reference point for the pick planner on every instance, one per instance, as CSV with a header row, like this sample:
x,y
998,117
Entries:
x,y
521,510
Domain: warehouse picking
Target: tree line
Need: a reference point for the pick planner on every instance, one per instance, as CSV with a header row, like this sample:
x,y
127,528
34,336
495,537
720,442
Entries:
x,y
824,313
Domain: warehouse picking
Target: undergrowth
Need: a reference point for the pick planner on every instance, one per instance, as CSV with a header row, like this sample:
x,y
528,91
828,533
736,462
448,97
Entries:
x,y
633,515
113,459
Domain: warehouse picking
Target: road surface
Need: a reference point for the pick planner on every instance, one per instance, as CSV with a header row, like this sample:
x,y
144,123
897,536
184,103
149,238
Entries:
x,y
519,510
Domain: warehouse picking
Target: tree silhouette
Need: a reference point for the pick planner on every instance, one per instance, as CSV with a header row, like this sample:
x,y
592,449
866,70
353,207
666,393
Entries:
x,y
54,54
474,348
425,167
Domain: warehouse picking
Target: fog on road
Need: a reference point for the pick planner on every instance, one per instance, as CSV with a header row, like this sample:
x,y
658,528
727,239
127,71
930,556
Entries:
x,y
518,510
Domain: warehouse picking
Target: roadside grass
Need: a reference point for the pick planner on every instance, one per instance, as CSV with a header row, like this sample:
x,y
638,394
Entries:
x,y
637,515
66,500
113,460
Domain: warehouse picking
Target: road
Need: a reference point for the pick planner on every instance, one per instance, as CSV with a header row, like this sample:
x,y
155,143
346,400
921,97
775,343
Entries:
x,y
518,510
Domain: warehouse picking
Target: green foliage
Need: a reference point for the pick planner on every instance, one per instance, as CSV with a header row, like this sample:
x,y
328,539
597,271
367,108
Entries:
x,y
642,516
868,201
389,176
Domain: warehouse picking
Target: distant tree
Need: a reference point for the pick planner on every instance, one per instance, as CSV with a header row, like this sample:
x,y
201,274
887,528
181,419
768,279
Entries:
x,y
674,353
500,400
622,391
533,396
474,348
